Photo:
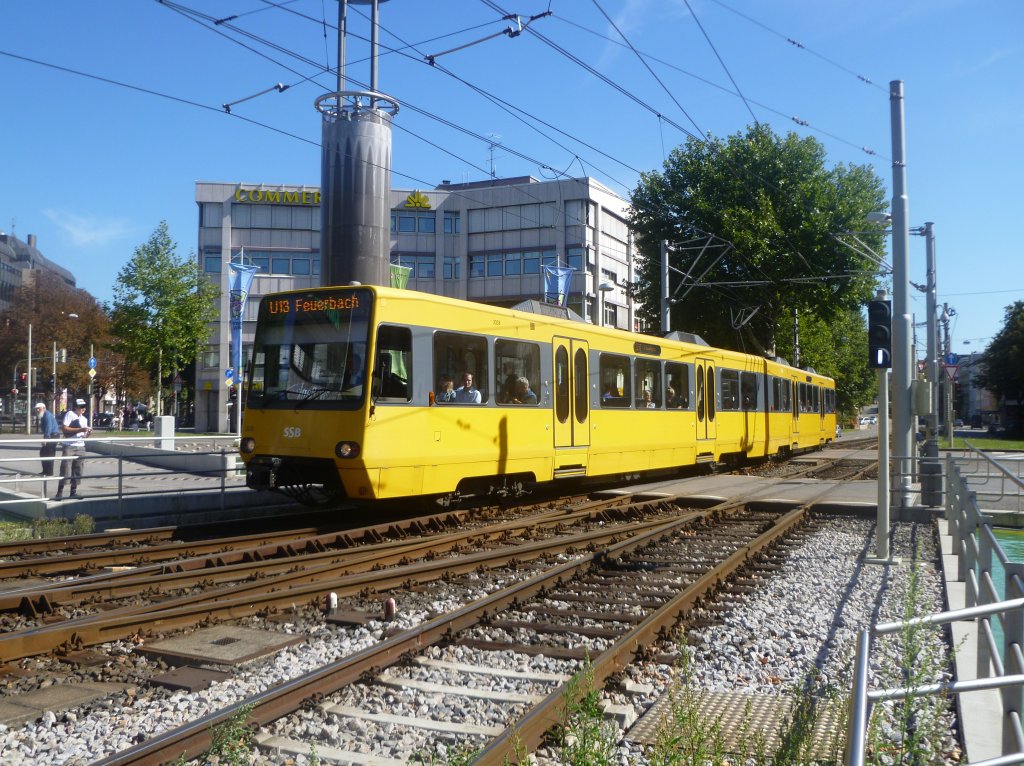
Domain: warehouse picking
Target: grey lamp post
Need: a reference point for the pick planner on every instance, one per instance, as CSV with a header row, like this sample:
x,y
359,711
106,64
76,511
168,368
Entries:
x,y
603,289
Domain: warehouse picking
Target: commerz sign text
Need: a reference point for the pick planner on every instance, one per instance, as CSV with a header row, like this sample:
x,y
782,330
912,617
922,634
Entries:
x,y
277,196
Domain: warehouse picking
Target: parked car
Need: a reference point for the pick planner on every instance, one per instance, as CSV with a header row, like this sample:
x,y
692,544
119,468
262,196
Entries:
x,y
103,420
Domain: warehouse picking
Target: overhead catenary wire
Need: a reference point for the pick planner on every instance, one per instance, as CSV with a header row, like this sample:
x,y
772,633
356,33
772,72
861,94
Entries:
x,y
801,46
707,37
540,164
796,119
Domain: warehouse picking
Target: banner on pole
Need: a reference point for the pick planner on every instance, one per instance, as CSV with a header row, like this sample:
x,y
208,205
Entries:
x,y
400,275
556,284
241,281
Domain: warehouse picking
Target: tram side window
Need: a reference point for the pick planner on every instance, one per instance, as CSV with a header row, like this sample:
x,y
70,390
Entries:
x,y
805,398
615,381
748,390
776,397
729,380
677,386
648,384
455,355
815,399
515,362
392,374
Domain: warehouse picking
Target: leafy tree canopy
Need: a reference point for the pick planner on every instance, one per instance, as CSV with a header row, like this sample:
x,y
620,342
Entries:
x,y
836,348
62,317
782,210
162,305
1002,366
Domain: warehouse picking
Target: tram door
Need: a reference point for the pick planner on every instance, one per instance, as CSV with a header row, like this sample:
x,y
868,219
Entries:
x,y
797,407
706,429
571,393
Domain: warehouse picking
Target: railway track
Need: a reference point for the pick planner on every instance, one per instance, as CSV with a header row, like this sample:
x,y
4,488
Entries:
x,y
607,604
277,579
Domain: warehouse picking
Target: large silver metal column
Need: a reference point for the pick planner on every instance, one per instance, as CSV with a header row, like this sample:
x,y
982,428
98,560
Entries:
x,y
355,174
355,185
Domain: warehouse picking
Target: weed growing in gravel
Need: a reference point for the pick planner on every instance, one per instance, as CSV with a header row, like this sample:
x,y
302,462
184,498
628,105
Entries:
x,y
19,530
231,741
687,738
684,737
80,525
462,755
912,730
587,739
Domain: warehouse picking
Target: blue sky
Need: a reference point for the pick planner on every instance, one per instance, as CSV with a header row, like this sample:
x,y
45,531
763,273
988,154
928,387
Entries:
x,y
91,167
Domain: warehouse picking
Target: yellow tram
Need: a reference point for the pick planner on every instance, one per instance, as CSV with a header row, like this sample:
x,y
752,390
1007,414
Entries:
x,y
371,393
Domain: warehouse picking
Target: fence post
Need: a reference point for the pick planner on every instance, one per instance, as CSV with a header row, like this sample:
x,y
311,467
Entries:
x,y
120,485
859,712
223,476
978,596
1013,644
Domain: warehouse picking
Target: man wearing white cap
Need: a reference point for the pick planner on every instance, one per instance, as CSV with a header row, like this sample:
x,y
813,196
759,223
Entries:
x,y
48,428
75,428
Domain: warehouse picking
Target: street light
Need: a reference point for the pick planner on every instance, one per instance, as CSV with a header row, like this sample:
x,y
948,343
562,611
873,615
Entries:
x,y
602,290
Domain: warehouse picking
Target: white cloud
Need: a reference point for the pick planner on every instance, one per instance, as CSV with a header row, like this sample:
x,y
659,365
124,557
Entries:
x,y
86,231
993,59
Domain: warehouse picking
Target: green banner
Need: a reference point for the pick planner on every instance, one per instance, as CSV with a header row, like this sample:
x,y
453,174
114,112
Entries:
x,y
400,276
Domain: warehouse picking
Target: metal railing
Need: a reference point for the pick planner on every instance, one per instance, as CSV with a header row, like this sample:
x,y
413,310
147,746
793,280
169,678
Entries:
x,y
975,546
137,472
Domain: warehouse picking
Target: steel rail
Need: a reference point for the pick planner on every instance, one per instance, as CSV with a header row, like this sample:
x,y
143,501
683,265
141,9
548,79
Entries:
x,y
251,598
265,544
530,729
191,739
270,560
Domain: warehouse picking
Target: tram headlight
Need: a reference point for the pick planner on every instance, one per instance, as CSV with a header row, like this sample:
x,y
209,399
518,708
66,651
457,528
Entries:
x,y
346,450
247,446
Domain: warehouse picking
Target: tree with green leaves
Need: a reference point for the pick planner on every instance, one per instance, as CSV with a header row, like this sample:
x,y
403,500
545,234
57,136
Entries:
x,y
1002,365
162,307
836,348
786,216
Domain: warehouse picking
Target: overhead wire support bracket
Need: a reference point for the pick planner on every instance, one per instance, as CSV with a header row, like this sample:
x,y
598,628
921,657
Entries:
x,y
511,32
280,88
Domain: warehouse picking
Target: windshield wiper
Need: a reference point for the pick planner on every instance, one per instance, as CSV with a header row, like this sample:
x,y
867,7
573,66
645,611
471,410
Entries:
x,y
310,394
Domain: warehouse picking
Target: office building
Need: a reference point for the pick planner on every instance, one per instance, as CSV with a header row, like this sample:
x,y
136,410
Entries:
x,y
487,241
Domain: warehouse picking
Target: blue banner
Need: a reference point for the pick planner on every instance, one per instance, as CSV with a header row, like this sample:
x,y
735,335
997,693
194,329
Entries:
x,y
241,281
556,284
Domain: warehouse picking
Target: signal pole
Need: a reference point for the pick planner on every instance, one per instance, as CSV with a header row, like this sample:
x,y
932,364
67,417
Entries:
x,y
882,521
901,319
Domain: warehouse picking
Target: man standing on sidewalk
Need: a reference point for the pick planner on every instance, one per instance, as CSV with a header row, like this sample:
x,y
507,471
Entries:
x,y
48,428
75,428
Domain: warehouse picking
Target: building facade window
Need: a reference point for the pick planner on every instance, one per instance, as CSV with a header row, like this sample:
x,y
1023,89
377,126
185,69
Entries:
x,y
452,223
420,266
212,261
574,258
301,264
413,221
452,267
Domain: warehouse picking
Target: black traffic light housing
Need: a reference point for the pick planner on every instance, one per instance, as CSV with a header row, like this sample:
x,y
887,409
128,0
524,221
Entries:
x,y
880,335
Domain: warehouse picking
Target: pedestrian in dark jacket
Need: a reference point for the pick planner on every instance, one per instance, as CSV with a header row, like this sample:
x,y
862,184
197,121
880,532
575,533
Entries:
x,y
51,433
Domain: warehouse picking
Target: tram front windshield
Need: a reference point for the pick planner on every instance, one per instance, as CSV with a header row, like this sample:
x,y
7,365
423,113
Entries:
x,y
310,350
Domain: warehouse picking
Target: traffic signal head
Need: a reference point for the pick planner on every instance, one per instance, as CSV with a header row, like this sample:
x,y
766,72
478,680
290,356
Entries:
x,y
879,334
